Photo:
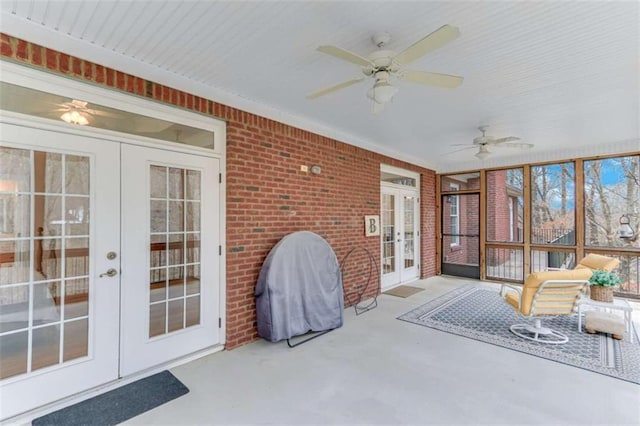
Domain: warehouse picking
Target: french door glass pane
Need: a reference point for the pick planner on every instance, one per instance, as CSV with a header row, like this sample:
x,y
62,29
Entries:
x,y
388,234
174,286
409,231
15,211
44,259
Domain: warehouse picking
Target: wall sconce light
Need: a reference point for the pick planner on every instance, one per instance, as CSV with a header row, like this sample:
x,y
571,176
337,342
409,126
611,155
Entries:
x,y
625,231
316,170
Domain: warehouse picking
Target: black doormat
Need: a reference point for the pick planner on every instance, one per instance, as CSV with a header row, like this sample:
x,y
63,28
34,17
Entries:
x,y
120,404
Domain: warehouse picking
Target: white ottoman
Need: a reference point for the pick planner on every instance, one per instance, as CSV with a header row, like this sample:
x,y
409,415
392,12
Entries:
x,y
604,322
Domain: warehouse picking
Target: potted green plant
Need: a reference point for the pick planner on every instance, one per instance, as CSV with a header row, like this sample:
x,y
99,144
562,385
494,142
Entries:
x,y
603,284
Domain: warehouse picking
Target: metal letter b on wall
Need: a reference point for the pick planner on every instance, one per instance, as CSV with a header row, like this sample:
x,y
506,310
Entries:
x,y
372,226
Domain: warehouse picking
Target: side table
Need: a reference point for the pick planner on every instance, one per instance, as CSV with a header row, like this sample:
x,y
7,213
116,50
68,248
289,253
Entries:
x,y
616,305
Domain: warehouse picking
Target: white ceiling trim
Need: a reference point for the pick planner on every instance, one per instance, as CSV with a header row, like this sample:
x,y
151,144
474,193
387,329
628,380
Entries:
x,y
44,36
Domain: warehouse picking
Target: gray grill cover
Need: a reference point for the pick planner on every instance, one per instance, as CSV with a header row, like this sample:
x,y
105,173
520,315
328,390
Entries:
x,y
299,288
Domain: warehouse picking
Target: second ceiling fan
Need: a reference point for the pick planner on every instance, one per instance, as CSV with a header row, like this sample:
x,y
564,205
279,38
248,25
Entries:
x,y
482,143
384,65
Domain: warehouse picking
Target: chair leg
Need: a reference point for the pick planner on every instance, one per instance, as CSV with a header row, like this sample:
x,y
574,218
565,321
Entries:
x,y
538,333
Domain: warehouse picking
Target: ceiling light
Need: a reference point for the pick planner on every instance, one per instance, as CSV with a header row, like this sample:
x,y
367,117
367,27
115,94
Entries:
x,y
383,92
75,117
483,153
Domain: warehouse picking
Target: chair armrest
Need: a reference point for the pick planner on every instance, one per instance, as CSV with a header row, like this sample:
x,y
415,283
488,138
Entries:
x,y
505,287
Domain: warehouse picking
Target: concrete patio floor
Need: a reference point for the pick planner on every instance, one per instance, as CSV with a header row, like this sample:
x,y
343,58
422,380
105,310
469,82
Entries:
x,y
379,370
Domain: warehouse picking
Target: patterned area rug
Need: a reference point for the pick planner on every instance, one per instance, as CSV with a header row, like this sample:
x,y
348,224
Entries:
x,y
483,315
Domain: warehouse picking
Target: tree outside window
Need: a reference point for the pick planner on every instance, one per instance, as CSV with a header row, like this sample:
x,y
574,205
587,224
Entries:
x,y
611,189
553,204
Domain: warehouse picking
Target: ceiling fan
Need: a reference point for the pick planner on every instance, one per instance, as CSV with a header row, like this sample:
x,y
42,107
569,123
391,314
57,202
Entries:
x,y
483,142
384,65
74,112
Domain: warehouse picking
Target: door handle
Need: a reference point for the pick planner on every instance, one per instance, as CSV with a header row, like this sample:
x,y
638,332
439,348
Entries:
x,y
111,272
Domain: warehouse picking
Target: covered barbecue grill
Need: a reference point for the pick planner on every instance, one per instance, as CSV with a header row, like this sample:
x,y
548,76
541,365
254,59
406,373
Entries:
x,y
299,288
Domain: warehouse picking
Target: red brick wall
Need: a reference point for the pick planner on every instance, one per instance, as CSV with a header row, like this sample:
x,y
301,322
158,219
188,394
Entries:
x,y
498,215
268,196
497,206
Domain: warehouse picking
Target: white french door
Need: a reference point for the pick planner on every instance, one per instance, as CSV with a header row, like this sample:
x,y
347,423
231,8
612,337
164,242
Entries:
x,y
60,207
109,262
400,236
170,237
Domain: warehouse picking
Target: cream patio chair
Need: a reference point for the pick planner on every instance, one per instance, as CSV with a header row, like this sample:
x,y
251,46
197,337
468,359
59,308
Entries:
x,y
546,294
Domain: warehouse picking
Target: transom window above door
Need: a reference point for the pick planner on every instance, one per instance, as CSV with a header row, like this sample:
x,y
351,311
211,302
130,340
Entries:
x,y
24,100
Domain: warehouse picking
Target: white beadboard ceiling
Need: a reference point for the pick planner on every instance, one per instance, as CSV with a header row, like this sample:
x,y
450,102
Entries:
x,y
563,76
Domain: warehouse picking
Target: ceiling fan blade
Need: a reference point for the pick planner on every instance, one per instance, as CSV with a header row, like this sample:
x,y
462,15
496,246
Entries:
x,y
436,39
102,113
458,150
507,139
464,144
346,55
432,79
337,87
516,145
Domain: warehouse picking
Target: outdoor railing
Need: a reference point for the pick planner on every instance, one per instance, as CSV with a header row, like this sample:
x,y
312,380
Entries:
x,y
553,236
545,236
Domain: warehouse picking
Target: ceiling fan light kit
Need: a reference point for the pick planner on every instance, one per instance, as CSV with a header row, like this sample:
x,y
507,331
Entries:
x,y
75,117
483,152
384,65
75,113
382,92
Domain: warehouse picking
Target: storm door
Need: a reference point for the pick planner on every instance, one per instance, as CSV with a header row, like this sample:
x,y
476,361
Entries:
x,y
461,235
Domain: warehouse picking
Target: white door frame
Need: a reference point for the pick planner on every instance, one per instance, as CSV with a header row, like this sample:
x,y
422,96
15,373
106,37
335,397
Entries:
x,y
399,191
38,80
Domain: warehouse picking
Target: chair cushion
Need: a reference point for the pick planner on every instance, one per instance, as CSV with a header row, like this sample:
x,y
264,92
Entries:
x,y
533,281
512,299
598,261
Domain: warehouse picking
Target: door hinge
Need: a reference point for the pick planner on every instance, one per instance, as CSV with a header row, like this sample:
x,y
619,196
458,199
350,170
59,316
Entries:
x,y
418,200
418,233
418,266
219,177
219,322
219,250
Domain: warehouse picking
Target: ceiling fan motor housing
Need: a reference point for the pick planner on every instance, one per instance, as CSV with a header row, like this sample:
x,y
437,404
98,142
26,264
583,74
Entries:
x,y
481,140
382,61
